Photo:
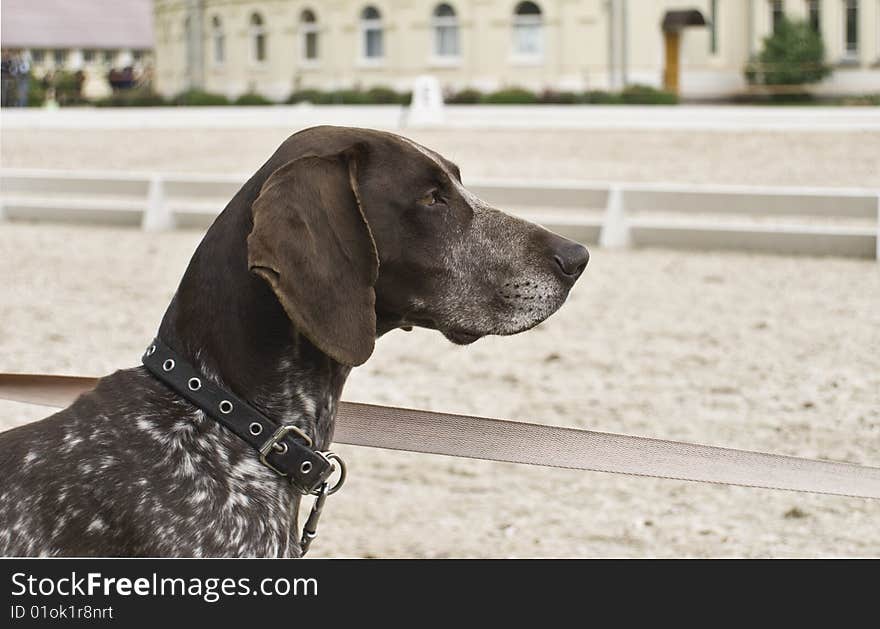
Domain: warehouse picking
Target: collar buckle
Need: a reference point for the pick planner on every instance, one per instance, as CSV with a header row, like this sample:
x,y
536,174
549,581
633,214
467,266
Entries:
x,y
274,443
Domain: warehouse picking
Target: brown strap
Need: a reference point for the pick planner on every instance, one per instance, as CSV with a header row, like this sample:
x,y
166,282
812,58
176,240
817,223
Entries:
x,y
520,442
56,391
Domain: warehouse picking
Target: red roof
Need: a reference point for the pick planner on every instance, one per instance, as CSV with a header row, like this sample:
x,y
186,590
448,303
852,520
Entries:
x,y
77,24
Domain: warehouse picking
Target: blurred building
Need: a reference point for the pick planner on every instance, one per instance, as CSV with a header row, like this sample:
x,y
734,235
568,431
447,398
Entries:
x,y
697,46
92,36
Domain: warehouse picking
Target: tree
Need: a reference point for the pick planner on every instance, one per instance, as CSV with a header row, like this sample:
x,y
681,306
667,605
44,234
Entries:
x,y
793,55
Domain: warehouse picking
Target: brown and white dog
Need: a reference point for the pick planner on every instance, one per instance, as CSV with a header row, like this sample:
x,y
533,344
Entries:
x,y
343,235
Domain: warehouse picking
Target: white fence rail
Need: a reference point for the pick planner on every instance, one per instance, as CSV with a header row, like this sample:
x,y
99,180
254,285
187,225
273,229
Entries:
x,y
813,221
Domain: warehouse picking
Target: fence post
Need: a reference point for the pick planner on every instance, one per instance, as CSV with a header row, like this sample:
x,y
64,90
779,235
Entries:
x,y
157,215
615,230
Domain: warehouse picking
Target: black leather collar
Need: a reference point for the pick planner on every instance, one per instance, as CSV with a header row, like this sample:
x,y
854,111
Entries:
x,y
284,449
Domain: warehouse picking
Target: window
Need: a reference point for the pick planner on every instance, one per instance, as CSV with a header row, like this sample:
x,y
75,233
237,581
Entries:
x,y
59,57
38,55
89,56
777,14
851,7
813,15
444,23
713,27
258,39
309,30
527,31
137,56
109,57
218,39
371,34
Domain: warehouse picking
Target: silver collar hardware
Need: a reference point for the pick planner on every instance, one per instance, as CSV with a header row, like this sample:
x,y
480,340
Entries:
x,y
310,528
273,443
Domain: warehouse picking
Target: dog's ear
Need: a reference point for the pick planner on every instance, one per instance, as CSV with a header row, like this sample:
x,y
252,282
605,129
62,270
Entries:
x,y
312,244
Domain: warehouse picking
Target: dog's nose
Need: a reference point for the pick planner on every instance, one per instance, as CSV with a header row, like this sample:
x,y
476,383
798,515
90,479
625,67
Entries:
x,y
571,259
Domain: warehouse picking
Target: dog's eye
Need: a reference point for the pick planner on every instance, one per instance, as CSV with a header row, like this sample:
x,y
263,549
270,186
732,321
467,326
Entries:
x,y
431,198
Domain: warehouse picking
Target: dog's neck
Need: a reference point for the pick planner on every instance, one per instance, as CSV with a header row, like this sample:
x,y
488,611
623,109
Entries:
x,y
228,323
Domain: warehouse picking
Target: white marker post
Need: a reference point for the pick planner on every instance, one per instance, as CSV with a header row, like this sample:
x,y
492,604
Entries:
x,y
427,106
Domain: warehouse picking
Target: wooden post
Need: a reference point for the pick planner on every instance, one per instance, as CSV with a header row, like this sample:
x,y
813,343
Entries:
x,y
670,71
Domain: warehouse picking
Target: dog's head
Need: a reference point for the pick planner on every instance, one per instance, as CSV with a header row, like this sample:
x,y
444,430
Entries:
x,y
360,232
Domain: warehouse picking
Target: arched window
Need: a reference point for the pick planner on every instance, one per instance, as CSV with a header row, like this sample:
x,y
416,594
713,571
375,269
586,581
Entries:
x,y
851,22
777,13
372,46
814,15
528,37
218,40
258,38
308,25
444,23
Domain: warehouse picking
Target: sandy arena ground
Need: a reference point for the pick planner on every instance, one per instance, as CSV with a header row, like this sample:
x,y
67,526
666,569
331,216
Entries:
x,y
760,352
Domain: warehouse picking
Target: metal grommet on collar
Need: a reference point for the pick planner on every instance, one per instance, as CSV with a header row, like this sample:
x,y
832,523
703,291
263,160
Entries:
x,y
194,384
151,350
168,365
306,467
255,428
225,407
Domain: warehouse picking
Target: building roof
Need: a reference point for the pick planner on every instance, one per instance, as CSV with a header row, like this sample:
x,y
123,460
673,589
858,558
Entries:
x,y
76,24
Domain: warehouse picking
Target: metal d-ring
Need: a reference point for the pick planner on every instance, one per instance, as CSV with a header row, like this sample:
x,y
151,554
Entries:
x,y
332,456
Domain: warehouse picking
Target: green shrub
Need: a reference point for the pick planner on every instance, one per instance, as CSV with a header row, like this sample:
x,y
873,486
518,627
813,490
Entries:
x,y
199,98
634,94
863,100
510,96
251,98
599,97
349,97
137,97
316,97
382,96
464,97
646,95
552,97
68,87
36,92
373,96
793,55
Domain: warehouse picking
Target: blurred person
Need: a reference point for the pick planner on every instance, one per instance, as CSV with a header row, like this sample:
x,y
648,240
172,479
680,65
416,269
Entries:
x,y
23,77
7,88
